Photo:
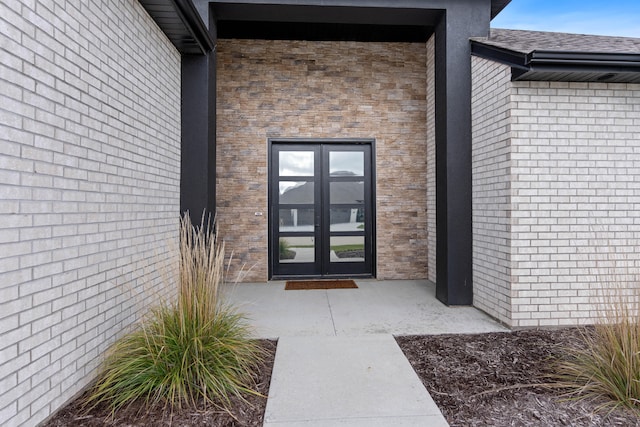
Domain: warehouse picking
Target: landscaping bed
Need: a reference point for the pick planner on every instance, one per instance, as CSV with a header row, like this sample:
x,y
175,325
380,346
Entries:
x,y
497,379
248,413
492,379
356,253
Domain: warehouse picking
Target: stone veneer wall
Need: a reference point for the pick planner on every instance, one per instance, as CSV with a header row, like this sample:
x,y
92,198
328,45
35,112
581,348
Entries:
x,y
491,171
89,183
323,90
573,207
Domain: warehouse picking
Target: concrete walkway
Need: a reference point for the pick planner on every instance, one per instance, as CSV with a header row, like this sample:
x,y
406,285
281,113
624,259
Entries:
x,y
337,363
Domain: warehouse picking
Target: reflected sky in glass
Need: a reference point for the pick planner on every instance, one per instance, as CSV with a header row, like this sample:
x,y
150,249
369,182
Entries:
x,y
296,163
301,163
346,161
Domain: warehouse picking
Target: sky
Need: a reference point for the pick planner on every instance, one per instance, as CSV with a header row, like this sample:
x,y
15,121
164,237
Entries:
x,y
602,17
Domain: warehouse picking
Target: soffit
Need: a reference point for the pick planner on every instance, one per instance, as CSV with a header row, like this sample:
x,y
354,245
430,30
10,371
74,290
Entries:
x,y
182,24
497,6
394,20
311,22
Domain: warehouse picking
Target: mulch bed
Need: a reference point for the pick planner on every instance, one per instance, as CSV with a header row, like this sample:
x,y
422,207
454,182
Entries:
x,y
476,380
495,380
357,253
248,413
287,254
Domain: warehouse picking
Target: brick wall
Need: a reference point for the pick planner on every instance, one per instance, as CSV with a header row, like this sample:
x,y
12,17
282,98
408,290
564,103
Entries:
x,y
323,90
564,232
491,173
575,171
89,182
431,158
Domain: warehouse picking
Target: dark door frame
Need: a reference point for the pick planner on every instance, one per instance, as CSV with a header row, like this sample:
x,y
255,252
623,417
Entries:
x,y
370,218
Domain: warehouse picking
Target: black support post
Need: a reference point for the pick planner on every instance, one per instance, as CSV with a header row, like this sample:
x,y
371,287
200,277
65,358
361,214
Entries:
x,y
198,162
453,148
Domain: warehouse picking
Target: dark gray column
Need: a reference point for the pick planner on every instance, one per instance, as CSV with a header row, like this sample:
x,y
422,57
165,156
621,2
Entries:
x,y
453,148
198,162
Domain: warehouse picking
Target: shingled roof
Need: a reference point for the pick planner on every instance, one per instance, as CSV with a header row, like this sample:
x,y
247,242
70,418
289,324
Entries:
x,y
527,41
537,55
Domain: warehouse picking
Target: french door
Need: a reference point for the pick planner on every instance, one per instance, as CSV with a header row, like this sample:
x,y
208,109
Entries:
x,y
321,215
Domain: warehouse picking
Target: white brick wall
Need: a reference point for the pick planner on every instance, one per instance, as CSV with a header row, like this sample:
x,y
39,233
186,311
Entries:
x,y
431,159
575,198
569,220
89,189
491,185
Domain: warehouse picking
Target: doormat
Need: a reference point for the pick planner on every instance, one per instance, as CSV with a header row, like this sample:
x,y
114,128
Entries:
x,y
297,285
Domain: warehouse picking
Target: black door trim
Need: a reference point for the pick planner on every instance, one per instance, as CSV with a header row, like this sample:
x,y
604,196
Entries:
x,y
370,219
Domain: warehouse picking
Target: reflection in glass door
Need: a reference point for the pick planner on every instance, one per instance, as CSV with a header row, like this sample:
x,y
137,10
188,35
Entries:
x,y
321,209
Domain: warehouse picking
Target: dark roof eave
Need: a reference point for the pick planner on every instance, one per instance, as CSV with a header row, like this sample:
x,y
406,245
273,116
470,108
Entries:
x,y
497,6
193,22
182,24
583,58
504,56
530,66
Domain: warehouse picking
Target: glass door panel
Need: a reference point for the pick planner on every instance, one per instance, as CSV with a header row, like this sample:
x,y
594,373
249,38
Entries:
x,y
296,250
346,192
347,249
346,163
297,220
347,207
347,219
297,192
296,163
295,211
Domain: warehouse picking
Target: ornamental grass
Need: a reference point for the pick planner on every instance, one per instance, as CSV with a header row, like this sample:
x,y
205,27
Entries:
x,y
195,350
606,364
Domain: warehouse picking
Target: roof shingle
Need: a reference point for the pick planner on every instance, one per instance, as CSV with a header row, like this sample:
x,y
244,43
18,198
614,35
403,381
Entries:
x,y
524,41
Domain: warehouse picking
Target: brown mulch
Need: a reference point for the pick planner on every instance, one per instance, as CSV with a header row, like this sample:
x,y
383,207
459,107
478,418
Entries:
x,y
495,379
489,379
248,412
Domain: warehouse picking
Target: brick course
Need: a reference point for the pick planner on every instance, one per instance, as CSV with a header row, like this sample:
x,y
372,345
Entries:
x,y
89,182
323,90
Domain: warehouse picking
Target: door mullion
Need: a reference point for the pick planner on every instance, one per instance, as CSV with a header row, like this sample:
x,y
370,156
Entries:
x,y
324,198
319,203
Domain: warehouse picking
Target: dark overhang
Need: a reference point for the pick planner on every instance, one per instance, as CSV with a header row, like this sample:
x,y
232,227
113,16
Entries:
x,y
367,20
543,65
180,21
324,32
314,22
497,6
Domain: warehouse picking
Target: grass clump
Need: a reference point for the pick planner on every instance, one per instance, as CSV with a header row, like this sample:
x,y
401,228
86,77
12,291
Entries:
x,y
283,248
285,251
196,349
607,361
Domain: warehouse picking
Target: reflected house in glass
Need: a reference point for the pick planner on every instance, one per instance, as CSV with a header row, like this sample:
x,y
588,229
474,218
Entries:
x,y
341,193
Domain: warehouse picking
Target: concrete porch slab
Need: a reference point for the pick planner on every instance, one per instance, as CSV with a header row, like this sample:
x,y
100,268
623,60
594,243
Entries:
x,y
340,381
399,307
